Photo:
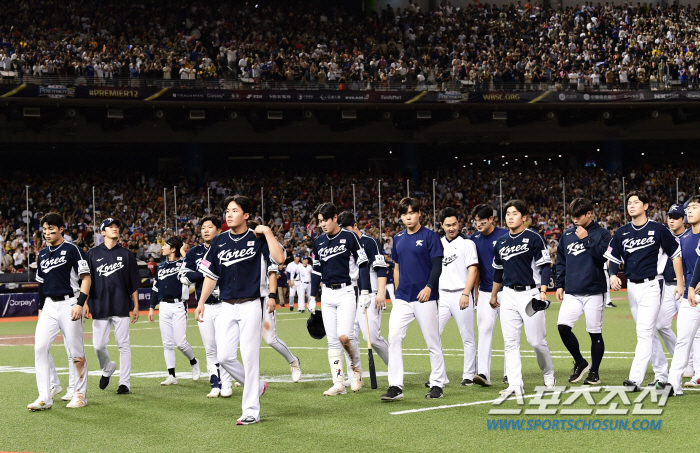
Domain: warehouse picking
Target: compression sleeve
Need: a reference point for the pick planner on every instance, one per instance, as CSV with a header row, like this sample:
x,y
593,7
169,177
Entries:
x,y
315,283
382,272
546,273
497,275
435,272
364,282
614,268
41,296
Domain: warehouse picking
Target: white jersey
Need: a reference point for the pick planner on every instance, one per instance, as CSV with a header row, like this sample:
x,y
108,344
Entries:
x,y
459,255
292,269
304,273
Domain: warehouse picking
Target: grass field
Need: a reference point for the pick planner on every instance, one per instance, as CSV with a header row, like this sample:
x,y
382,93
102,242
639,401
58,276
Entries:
x,y
297,417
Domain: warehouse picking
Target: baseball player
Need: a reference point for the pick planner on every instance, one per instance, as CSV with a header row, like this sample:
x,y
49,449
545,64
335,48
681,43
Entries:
x,y
688,319
581,275
282,285
389,277
459,271
485,240
338,258
417,252
638,244
64,281
293,279
113,293
377,275
172,319
303,271
237,261
220,380
522,265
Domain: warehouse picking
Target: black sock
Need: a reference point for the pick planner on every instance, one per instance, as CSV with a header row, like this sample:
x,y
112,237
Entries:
x,y
597,350
571,343
171,371
193,361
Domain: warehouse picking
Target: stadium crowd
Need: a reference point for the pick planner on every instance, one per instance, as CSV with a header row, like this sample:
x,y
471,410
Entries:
x,y
289,203
607,46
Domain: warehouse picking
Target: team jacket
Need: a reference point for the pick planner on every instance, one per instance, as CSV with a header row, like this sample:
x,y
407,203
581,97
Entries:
x,y
459,255
238,263
115,277
414,253
167,282
375,260
59,269
580,262
192,260
521,257
339,259
484,249
639,247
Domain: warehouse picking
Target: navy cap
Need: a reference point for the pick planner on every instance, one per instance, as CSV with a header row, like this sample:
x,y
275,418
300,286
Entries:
x,y
677,211
304,258
107,222
296,255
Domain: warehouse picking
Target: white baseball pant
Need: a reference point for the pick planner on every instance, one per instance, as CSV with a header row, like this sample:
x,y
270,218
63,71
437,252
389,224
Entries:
x,y
687,324
55,317
574,305
207,329
293,290
645,303
269,334
100,338
486,321
339,308
374,317
172,319
608,297
669,308
448,306
390,290
402,314
513,317
242,324
55,381
302,292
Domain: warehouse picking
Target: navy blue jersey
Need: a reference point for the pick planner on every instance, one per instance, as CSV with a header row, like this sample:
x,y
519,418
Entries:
x,y
167,281
115,277
580,262
639,248
282,279
690,250
192,259
375,259
390,272
521,257
238,263
414,253
484,249
337,259
670,274
59,269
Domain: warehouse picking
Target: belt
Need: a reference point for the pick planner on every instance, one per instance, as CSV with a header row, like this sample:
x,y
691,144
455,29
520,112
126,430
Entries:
x,y
216,302
643,280
306,283
172,301
521,288
57,298
338,285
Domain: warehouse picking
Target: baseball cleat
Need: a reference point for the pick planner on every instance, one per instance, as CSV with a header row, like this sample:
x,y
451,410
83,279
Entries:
x,y
39,405
170,380
337,389
215,392
434,393
550,382
392,394
654,382
356,381
67,397
123,390
578,371
347,382
226,391
609,304
104,382
512,391
196,372
692,383
467,382
505,380
302,311
592,379
249,420
291,307
296,369
77,401
427,384
237,384
481,380
58,389
689,372
628,383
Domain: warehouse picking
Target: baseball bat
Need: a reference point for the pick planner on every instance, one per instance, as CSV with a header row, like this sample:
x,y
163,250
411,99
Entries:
x,y
372,372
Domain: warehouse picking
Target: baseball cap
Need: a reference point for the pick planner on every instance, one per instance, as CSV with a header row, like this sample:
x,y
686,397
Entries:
x,y
676,211
296,255
107,222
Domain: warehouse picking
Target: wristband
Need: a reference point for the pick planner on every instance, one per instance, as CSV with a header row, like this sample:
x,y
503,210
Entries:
x,y
429,286
465,295
82,298
273,296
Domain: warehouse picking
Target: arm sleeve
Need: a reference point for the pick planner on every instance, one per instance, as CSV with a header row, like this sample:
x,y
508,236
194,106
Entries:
x,y
209,266
614,250
670,244
614,268
154,296
189,270
364,281
435,272
695,279
497,261
599,245
316,271
498,275
41,296
39,277
541,257
561,265
134,277
80,264
546,274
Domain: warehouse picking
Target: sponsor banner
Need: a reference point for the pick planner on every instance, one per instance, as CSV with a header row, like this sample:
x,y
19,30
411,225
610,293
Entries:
x,y
19,305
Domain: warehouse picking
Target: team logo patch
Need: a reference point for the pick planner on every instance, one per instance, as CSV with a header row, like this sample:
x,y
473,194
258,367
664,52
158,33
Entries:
x,y
342,241
651,233
419,243
251,243
63,252
494,243
526,240
205,263
609,249
178,264
119,258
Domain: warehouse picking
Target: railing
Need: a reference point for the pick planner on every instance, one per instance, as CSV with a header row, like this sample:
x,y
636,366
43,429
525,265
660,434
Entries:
x,y
256,84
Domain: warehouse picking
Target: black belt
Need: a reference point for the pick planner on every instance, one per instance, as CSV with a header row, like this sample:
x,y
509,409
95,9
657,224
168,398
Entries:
x,y
172,301
642,280
521,288
306,283
216,302
338,285
61,297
